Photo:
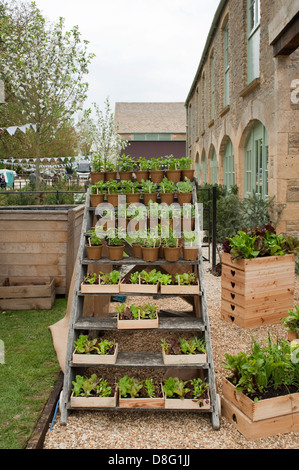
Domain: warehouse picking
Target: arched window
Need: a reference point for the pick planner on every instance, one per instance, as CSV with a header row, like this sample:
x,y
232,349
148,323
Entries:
x,y
229,165
204,168
256,161
214,168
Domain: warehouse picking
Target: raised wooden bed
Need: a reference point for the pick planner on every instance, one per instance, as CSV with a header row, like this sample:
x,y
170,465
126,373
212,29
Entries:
x,y
30,293
258,291
260,419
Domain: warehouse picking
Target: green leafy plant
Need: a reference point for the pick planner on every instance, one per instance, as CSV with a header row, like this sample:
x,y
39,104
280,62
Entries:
x,y
116,237
167,186
125,163
148,187
109,166
148,312
94,239
92,386
200,390
150,240
183,346
129,386
113,186
91,278
130,187
291,322
110,278
265,369
97,163
171,163
184,163
84,345
165,279
184,186
156,163
98,188
174,387
150,277
191,238
126,312
143,163
185,279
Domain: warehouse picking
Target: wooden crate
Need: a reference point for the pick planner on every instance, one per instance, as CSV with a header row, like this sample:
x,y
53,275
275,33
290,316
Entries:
x,y
260,419
257,292
183,358
95,359
30,293
94,402
137,324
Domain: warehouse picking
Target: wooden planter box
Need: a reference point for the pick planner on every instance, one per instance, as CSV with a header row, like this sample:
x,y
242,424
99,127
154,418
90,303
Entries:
x,y
32,293
260,419
141,402
185,404
178,289
137,324
99,288
94,402
184,358
139,288
258,291
95,358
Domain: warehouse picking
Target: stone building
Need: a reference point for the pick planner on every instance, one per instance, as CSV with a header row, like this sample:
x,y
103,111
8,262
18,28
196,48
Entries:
x,y
243,105
152,129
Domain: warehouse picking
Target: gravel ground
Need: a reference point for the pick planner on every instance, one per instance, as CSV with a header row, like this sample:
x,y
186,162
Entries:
x,y
167,430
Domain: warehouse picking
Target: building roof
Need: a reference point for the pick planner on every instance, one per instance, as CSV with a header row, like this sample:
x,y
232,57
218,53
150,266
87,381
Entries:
x,y
150,117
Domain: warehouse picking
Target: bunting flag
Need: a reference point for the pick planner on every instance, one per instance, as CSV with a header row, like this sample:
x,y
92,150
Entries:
x,y
12,129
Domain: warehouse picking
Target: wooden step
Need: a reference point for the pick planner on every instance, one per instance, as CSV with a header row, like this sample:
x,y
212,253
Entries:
x,y
169,323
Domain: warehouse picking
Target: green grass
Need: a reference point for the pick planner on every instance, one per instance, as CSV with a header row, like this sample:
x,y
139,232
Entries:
x,y
29,371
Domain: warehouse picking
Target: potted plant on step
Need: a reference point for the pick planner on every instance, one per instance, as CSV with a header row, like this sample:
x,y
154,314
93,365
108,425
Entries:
x,y
93,392
260,396
184,164
116,243
173,173
97,172
110,171
137,393
125,167
97,193
184,189
167,190
156,169
150,247
186,394
171,248
191,244
131,190
184,351
94,245
149,191
113,188
143,169
94,351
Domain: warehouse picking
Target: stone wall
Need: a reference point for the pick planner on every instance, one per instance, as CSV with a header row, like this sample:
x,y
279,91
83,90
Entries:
x,y
270,99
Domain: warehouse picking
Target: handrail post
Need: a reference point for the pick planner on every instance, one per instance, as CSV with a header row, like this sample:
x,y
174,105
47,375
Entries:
x,y
214,228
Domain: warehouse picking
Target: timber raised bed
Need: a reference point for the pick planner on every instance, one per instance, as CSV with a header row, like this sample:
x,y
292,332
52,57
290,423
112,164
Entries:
x,y
256,292
263,418
18,293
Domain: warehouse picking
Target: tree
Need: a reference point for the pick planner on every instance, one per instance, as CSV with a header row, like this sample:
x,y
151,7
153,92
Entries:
x,y
44,67
105,138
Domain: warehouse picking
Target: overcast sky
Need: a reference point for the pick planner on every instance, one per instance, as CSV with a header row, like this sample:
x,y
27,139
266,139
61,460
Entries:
x,y
145,50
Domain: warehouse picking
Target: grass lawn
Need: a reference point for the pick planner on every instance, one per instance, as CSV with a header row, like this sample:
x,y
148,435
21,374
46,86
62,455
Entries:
x,y
29,371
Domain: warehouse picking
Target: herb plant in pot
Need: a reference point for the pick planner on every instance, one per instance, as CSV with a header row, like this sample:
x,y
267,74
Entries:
x,y
184,189
94,245
149,191
125,167
97,193
173,173
143,169
171,248
191,245
110,171
167,190
113,187
97,173
156,169
131,190
184,165
150,247
116,243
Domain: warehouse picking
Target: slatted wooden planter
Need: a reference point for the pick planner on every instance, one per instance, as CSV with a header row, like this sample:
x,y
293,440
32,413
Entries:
x,y
18,293
94,359
256,420
94,402
137,324
258,291
180,359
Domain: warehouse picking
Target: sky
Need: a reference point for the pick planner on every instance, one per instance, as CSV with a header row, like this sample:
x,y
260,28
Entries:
x,y
146,51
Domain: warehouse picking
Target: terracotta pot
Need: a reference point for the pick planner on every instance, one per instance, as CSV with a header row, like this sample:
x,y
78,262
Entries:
x,y
141,175
167,198
115,253
190,254
96,176
187,223
113,199
172,254
96,199
174,175
125,175
132,198
184,198
188,174
94,251
110,175
157,176
150,254
147,197
137,251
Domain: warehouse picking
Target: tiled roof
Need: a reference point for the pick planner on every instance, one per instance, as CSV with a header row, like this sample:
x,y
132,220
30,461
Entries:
x,y
150,117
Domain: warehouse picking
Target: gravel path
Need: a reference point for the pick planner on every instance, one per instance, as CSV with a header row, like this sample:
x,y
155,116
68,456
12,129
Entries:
x,y
177,430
